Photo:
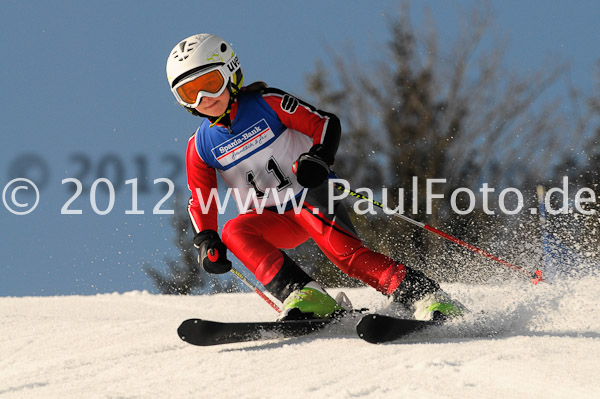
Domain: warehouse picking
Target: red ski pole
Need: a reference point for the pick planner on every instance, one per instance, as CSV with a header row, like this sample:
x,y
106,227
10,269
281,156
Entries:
x,y
255,289
536,277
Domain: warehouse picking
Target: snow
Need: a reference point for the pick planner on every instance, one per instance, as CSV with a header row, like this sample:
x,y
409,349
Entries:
x,y
530,342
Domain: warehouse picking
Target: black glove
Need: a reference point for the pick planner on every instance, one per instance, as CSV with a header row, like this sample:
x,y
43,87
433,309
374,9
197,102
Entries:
x,y
312,167
212,253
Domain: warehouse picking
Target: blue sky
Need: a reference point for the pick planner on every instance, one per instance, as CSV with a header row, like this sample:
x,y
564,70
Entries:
x,y
83,83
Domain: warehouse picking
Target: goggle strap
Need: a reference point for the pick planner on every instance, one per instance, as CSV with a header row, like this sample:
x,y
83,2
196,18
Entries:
x,y
195,71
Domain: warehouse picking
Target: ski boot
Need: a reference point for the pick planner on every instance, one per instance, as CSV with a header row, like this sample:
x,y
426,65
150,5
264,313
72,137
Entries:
x,y
310,302
425,299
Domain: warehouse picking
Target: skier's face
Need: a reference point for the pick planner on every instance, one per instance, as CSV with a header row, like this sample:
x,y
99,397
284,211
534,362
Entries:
x,y
214,106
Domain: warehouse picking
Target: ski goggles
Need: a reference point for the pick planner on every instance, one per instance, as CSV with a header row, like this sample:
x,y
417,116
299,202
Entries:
x,y
189,92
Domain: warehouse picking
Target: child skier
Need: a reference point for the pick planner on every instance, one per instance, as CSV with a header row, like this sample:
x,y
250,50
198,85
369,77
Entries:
x,y
265,142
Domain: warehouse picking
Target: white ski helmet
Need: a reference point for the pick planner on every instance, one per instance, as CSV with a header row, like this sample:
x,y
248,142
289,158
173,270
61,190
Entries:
x,y
202,65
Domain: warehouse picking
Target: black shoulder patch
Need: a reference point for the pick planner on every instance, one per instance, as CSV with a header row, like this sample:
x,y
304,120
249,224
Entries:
x,y
289,104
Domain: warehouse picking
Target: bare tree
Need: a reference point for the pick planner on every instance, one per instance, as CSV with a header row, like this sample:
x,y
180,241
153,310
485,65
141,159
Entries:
x,y
459,115
581,230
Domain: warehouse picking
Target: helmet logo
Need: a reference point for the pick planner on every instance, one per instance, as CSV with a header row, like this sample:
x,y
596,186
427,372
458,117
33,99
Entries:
x,y
233,64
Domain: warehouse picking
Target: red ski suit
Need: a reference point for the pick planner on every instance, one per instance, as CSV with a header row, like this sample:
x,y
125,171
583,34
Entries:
x,y
273,128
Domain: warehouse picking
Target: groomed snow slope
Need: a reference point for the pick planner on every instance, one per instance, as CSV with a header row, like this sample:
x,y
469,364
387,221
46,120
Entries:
x,y
531,342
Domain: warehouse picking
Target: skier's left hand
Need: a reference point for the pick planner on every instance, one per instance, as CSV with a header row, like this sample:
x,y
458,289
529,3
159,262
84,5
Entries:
x,y
312,167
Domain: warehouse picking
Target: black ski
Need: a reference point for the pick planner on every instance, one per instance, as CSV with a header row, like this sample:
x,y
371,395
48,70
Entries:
x,y
205,332
376,328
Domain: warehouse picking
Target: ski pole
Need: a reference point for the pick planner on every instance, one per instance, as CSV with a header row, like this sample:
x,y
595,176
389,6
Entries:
x,y
536,276
255,289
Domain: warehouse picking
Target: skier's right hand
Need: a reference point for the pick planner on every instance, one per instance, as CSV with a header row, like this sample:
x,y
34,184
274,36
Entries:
x,y
212,253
